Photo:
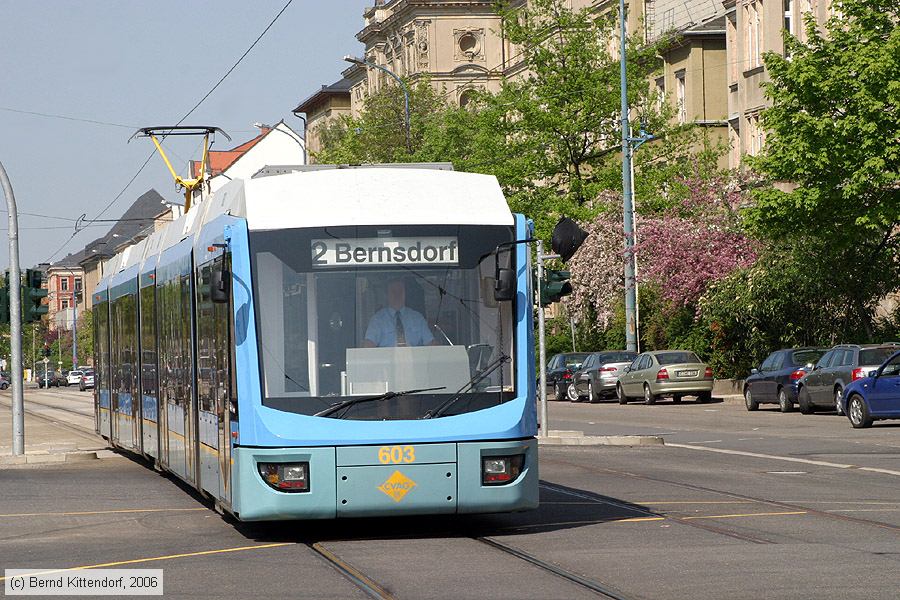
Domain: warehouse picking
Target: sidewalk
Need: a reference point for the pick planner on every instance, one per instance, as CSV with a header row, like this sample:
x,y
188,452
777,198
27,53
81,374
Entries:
x,y
46,441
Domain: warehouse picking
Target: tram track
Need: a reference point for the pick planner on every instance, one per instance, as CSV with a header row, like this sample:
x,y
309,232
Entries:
x,y
365,583
598,588
792,506
55,421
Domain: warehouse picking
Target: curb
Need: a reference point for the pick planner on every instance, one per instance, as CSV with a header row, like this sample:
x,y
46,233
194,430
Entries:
x,y
43,459
579,439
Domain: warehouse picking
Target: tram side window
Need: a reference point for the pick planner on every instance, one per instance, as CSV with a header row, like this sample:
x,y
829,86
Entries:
x,y
125,344
168,331
213,353
148,343
206,355
101,346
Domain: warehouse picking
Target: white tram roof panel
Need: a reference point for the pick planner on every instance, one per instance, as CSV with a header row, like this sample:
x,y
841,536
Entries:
x,y
373,196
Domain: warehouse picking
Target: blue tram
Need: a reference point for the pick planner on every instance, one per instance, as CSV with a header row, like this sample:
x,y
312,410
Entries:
x,y
320,342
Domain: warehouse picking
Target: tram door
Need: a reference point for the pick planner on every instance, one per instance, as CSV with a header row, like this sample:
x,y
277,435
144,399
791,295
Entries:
x,y
336,311
213,382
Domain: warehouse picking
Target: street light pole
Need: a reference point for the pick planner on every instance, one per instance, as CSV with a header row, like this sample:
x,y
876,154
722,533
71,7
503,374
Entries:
x,y
15,319
359,61
627,200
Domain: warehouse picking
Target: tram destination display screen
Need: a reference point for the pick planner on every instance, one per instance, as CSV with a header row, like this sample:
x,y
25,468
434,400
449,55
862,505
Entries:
x,y
351,312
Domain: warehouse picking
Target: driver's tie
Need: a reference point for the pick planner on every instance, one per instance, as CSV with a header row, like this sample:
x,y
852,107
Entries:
x,y
401,333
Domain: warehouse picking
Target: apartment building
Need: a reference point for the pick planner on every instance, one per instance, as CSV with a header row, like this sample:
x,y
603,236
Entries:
x,y
461,46
65,301
752,28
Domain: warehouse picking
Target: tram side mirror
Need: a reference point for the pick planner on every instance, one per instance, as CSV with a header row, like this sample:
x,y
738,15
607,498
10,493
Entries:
x,y
505,285
567,238
220,286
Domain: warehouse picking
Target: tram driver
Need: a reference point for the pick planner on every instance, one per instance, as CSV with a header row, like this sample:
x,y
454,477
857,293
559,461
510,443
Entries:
x,y
397,324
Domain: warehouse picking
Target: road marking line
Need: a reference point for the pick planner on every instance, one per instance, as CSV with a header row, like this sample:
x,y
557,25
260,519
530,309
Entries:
x,y
806,461
102,512
708,442
169,557
837,510
694,502
738,516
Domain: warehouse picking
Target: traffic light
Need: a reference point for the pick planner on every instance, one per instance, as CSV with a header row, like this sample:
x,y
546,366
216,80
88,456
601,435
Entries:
x,y
33,295
554,286
4,300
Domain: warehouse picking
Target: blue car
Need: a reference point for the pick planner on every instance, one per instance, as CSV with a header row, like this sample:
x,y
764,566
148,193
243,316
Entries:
x,y
775,382
874,397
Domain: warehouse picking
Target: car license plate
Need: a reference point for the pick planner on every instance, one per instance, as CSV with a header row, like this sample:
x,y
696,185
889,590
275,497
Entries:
x,y
687,373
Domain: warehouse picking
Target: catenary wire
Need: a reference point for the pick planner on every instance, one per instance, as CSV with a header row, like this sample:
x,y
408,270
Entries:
x,y
180,121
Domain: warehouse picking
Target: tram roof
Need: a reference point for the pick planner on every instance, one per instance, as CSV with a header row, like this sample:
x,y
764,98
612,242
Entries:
x,y
374,196
319,197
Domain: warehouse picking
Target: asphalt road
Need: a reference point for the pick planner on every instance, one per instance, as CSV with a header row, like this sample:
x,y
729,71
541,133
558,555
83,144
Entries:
x,y
668,522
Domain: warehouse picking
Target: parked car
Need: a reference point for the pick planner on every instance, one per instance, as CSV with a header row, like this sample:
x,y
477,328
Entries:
x,y
675,373
5,380
51,379
87,380
875,396
73,378
775,382
598,374
559,373
823,387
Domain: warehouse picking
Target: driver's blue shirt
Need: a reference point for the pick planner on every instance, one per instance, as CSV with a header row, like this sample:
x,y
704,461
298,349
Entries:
x,y
382,330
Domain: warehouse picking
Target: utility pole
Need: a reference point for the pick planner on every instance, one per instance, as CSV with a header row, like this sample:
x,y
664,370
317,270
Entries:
x,y
627,200
542,350
15,319
629,145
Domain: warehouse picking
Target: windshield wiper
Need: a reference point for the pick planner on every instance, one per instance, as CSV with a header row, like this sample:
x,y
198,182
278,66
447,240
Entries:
x,y
440,410
385,396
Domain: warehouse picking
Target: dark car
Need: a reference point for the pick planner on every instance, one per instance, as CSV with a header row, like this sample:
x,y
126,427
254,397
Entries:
x,y
559,373
4,380
775,382
823,387
875,396
596,379
51,379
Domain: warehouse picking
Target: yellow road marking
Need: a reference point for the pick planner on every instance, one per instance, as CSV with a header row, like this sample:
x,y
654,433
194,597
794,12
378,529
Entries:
x,y
169,557
639,519
101,512
765,514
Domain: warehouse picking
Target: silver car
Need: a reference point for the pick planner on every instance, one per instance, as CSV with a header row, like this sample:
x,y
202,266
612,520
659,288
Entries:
x,y
598,375
675,373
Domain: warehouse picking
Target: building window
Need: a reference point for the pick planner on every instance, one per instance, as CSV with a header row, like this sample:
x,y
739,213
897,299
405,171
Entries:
x,y
753,32
680,97
789,16
64,303
78,284
755,135
64,284
660,93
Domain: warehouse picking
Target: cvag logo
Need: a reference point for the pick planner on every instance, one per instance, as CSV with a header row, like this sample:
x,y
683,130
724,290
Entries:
x,y
397,486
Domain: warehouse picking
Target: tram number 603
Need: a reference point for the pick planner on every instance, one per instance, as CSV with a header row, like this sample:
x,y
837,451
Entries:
x,y
396,454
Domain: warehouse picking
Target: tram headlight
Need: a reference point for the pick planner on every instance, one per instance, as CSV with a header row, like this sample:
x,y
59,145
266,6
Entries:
x,y
500,470
286,477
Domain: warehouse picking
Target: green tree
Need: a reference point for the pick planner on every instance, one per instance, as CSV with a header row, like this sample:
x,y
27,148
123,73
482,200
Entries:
x,y
833,132
379,134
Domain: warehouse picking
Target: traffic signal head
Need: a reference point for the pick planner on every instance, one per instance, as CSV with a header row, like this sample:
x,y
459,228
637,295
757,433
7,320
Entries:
x,y
567,238
33,295
555,285
4,300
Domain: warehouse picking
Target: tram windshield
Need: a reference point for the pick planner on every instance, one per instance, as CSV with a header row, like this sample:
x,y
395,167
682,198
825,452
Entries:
x,y
348,317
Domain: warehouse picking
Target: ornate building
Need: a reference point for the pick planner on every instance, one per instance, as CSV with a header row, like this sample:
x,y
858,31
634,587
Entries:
x,y
460,45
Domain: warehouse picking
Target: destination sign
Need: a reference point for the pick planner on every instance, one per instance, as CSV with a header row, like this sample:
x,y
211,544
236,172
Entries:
x,y
377,252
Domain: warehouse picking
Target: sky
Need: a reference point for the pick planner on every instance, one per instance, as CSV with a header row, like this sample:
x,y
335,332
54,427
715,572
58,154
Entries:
x,y
134,64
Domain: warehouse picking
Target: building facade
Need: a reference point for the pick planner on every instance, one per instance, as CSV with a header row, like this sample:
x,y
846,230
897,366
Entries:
x,y
461,46
754,27
65,281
